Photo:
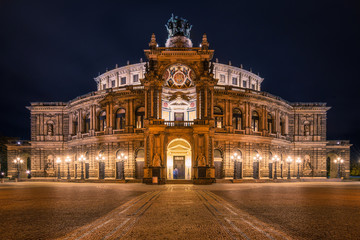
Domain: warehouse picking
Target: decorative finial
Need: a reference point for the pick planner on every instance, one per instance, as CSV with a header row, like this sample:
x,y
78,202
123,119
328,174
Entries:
x,y
216,60
250,69
241,66
128,62
153,43
229,63
141,60
204,44
116,65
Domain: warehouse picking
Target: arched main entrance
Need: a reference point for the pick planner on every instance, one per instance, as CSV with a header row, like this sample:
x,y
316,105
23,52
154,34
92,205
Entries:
x,y
179,159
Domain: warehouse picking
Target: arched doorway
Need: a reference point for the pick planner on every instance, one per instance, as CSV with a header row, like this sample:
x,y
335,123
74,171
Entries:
x,y
139,167
331,167
218,163
179,159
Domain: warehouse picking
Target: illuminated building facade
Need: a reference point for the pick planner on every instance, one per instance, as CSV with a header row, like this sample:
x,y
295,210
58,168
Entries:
x,y
180,115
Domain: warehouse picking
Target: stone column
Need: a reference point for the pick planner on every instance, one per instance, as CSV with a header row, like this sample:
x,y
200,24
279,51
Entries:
x,y
198,110
152,103
146,104
111,115
71,126
159,104
107,115
80,121
206,103
212,104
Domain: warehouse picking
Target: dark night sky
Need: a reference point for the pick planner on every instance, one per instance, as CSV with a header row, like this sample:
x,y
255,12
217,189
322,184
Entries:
x,y
306,50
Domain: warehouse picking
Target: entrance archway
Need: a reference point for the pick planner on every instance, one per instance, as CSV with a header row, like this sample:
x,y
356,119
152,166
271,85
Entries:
x,y
179,159
331,167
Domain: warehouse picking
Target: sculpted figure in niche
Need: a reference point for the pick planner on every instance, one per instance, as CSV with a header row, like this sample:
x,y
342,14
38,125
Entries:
x,y
306,128
307,163
156,160
50,129
201,160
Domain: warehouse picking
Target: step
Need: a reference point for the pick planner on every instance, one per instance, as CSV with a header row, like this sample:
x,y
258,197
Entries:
x,y
179,181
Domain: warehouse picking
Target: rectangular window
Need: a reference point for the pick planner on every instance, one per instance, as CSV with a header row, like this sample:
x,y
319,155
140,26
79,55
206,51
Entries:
x,y
135,78
113,83
123,80
253,86
222,78
104,86
234,81
244,84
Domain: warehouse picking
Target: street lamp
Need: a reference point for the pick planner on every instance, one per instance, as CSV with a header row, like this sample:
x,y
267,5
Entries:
x,y
58,161
298,161
122,157
289,160
18,161
100,158
281,168
339,161
257,159
82,160
275,159
237,169
68,160
28,172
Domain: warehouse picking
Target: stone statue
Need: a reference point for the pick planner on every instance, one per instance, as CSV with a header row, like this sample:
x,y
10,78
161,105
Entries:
x,y
306,129
50,129
201,160
156,160
211,68
177,26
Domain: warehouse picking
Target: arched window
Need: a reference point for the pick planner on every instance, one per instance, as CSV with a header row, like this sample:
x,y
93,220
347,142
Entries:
x,y
75,125
237,119
282,126
270,123
87,123
255,121
102,121
218,114
140,153
217,153
120,119
139,117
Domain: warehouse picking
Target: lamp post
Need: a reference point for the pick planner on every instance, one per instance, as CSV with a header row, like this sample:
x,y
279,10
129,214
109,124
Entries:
x,y
339,161
28,172
281,168
58,161
101,159
275,159
237,158
298,161
18,161
82,160
257,159
289,160
122,157
68,160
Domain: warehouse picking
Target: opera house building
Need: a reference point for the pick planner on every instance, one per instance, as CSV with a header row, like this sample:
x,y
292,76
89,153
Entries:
x,y
179,115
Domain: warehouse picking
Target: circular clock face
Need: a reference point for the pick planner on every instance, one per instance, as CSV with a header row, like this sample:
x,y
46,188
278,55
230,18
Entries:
x,y
179,76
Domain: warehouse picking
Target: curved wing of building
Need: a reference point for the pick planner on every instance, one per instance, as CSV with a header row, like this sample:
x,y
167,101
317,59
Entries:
x,y
179,115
